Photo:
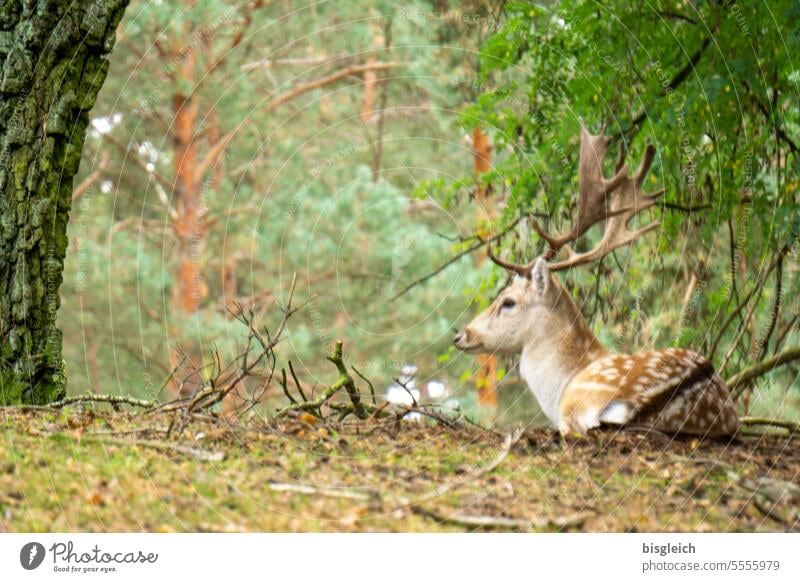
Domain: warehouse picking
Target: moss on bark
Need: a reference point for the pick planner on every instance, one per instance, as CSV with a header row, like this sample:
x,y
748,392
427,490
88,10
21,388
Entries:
x,y
52,65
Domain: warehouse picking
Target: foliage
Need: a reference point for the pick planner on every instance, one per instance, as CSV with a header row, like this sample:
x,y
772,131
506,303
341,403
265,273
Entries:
x,y
714,87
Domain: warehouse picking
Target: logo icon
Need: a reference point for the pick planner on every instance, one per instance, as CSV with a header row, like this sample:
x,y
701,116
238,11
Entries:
x,y
31,555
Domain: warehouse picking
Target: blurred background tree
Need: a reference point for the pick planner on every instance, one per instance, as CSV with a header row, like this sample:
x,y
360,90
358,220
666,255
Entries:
x,y
365,145
235,145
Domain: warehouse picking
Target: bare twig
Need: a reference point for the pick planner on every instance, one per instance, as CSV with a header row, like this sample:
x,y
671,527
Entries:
x,y
470,249
400,502
508,443
321,491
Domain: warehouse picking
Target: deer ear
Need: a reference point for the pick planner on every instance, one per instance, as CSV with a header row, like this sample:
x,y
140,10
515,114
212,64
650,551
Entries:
x,y
540,276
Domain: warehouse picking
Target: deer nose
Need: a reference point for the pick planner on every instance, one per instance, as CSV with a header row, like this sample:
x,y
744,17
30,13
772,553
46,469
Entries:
x,y
462,338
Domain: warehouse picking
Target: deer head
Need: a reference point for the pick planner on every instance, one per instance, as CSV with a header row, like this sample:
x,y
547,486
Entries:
x,y
534,307
525,311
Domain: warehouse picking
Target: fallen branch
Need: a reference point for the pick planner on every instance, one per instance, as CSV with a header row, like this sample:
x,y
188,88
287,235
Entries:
x,y
344,382
111,399
792,427
738,382
321,491
257,353
509,441
401,503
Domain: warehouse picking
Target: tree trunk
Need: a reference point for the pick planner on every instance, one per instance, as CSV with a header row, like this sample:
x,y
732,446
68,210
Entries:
x,y
189,288
52,65
486,377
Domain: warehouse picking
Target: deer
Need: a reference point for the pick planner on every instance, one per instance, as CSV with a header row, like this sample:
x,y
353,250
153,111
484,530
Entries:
x,y
579,384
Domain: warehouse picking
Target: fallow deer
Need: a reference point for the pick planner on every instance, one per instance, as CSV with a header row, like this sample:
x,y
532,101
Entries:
x,y
579,383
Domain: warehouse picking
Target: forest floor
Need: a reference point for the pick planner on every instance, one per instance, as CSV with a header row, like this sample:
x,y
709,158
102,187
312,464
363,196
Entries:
x,y
90,470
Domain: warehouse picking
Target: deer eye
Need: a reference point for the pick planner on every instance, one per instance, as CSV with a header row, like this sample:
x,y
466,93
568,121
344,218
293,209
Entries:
x,y
508,303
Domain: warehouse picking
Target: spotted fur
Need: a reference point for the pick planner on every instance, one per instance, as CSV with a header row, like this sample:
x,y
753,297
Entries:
x,y
673,390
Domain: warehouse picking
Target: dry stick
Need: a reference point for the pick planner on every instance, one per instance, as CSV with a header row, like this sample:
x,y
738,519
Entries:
x,y
371,387
103,398
509,441
505,523
424,410
323,491
194,452
246,367
402,502
736,382
297,382
490,521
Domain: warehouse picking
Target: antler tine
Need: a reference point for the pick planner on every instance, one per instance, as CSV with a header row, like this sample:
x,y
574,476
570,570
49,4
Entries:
x,y
628,201
644,167
594,188
523,269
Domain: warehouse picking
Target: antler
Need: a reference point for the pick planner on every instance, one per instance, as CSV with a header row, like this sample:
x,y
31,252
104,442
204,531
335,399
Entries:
x,y
523,269
615,200
593,187
625,202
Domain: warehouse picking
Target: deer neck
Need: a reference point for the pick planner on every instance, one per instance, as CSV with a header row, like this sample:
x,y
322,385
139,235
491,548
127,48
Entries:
x,y
548,366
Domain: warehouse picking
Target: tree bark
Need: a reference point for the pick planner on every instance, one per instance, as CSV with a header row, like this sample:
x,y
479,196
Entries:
x,y
52,65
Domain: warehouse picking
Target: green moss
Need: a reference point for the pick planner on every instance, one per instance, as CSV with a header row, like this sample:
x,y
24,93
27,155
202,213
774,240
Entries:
x,y
44,115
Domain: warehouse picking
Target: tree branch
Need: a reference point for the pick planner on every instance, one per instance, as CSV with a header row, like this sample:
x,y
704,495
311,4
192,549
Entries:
x,y
737,382
92,178
327,80
678,79
217,149
470,249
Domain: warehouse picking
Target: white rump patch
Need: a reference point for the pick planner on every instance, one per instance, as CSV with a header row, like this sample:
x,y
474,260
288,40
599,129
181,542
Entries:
x,y
616,412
